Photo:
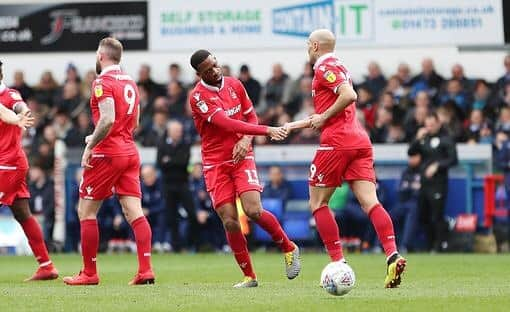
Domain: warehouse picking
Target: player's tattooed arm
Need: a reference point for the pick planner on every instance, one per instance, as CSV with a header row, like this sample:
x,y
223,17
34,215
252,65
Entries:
x,y
346,95
105,122
21,108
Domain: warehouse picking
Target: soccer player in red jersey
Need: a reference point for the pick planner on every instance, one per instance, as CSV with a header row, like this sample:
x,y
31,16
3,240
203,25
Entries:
x,y
345,153
14,117
225,119
112,164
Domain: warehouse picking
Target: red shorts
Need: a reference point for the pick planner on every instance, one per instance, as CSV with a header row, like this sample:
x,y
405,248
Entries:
x,y
225,181
111,175
13,185
331,167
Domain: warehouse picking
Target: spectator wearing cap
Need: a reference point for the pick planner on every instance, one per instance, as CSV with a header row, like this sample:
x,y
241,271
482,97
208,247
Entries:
x,y
252,86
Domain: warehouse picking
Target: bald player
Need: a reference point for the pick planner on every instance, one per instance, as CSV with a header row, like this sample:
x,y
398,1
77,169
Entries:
x,y
344,154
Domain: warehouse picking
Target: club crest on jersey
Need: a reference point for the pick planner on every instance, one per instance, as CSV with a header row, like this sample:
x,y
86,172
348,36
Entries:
x,y
233,94
98,90
330,76
202,106
15,96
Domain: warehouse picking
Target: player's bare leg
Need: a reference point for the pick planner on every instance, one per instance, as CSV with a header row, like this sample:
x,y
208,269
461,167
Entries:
x,y
89,233
365,192
252,207
235,238
21,212
132,209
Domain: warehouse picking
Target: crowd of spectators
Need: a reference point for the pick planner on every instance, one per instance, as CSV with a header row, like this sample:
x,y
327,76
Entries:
x,y
391,106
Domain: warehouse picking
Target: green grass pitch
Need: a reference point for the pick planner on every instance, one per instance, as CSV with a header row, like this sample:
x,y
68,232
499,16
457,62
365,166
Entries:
x,y
203,282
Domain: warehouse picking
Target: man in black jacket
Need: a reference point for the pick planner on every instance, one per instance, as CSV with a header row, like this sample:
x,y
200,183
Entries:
x,y
438,153
173,157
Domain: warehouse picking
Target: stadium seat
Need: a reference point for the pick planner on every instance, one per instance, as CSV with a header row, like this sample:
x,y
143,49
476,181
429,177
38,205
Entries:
x,y
273,205
298,229
259,235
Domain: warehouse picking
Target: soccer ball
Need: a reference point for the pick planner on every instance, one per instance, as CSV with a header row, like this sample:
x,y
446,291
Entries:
x,y
338,278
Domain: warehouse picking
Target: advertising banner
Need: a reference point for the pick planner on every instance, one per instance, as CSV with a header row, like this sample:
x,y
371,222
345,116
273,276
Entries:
x,y
222,24
72,26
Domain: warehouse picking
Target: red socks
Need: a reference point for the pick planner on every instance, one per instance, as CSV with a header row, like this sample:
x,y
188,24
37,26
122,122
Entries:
x,y
36,241
143,238
329,232
384,228
237,242
89,244
271,225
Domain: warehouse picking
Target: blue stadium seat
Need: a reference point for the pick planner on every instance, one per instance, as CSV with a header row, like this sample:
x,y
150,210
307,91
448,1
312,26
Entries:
x,y
259,235
298,229
273,205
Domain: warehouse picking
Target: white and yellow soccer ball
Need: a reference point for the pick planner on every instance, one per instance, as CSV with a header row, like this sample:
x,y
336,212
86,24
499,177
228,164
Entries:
x,y
338,278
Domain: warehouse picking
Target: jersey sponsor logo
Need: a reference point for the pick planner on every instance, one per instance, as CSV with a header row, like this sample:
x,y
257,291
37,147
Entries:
x,y
202,106
98,90
233,110
330,76
15,96
233,94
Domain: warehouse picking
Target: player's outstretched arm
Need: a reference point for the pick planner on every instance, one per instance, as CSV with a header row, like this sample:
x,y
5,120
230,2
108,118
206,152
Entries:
x,y
298,124
21,120
220,119
346,95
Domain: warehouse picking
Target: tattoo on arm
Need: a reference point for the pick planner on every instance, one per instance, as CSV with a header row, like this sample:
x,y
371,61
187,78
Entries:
x,y
7,115
105,123
20,108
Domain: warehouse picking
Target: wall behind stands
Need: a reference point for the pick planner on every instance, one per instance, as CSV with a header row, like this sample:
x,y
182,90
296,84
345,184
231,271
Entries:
x,y
486,64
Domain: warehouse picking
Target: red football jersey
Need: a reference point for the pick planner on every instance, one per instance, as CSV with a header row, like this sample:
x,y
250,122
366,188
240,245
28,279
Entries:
x,y
342,131
205,101
12,155
122,88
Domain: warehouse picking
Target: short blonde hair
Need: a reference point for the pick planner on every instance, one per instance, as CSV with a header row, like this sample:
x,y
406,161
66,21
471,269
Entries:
x,y
112,48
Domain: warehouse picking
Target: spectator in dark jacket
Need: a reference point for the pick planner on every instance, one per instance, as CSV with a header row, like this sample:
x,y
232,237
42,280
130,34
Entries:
x,y
428,80
505,79
405,212
172,159
42,200
438,154
277,187
75,137
374,81
19,84
211,227
153,206
252,86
